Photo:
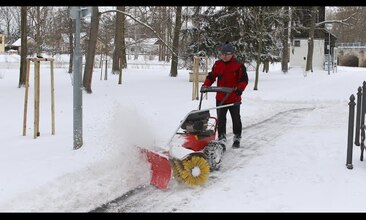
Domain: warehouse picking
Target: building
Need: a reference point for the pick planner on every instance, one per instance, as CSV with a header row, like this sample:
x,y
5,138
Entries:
x,y
299,49
31,43
324,42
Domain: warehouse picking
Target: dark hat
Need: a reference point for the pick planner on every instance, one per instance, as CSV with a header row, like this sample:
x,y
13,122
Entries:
x,y
227,48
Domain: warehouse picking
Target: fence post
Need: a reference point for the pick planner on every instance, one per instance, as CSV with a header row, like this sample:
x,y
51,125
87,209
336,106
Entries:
x,y
363,104
350,131
362,141
358,115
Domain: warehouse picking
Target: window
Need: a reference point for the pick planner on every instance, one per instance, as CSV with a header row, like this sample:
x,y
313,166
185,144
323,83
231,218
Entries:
x,y
297,43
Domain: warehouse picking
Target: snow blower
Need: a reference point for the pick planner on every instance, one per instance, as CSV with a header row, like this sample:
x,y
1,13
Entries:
x,y
192,151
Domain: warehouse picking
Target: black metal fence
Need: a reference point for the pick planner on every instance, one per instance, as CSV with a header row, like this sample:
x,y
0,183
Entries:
x,y
357,125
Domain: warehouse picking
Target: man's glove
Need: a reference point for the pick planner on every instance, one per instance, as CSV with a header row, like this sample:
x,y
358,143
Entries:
x,y
238,92
203,88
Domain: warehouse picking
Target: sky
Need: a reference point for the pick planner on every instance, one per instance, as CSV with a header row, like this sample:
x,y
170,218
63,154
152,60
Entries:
x,y
292,156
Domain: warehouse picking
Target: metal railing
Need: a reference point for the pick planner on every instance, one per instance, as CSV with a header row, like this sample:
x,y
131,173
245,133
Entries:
x,y
351,45
360,126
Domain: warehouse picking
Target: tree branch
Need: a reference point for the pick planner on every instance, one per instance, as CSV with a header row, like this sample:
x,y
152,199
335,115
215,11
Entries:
x,y
344,21
142,23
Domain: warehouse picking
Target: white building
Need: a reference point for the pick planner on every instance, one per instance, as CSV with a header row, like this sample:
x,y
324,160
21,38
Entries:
x,y
299,53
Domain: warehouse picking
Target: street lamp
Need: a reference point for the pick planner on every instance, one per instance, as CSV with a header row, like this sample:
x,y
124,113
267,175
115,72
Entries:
x,y
76,13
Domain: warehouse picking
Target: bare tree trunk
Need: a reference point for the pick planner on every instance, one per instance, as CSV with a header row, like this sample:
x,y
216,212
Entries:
x,y
168,33
163,29
266,66
90,54
116,67
23,52
178,25
285,43
259,49
38,31
309,61
123,42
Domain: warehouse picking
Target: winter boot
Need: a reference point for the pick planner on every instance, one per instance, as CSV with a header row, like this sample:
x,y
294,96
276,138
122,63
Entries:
x,y
236,142
222,141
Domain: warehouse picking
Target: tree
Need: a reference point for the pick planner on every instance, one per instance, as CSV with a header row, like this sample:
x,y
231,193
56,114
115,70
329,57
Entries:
x,y
23,52
355,30
178,25
39,16
119,40
309,60
106,35
9,16
90,54
154,32
285,40
260,40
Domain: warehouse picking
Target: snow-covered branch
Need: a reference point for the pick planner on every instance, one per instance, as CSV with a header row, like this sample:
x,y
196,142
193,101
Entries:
x,y
344,21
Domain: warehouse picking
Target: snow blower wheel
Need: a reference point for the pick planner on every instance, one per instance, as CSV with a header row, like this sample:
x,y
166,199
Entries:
x,y
194,170
214,152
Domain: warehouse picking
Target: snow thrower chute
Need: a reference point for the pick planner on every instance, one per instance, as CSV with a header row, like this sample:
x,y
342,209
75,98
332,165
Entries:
x,y
192,150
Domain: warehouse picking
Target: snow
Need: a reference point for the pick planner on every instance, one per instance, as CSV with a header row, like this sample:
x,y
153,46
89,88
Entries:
x,y
292,157
18,42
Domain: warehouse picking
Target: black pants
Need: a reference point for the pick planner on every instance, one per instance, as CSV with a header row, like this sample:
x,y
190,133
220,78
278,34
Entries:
x,y
235,116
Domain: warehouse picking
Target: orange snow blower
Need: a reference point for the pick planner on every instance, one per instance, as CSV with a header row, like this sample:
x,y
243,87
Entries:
x,y
192,150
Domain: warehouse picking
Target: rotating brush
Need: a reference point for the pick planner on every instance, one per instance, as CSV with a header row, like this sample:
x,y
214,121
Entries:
x,y
177,168
194,170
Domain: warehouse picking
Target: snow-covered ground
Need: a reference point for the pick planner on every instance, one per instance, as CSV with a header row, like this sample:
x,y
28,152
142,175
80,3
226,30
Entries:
x,y
292,157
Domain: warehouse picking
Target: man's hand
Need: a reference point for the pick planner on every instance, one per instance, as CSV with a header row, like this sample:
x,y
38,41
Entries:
x,y
203,88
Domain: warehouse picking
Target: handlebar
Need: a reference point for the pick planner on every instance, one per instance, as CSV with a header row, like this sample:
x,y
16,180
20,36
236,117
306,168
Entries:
x,y
216,89
226,90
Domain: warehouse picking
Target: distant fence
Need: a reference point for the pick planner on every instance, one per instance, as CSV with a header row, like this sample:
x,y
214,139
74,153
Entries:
x,y
9,61
351,45
357,126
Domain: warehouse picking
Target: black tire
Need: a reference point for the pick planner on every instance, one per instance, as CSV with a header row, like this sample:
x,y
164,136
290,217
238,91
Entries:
x,y
214,153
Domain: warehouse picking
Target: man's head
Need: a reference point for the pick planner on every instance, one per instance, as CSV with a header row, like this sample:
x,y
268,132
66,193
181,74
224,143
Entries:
x,y
227,51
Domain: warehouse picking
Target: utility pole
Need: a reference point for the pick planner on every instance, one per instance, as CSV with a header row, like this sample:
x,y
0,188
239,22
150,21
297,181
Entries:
x,y
76,13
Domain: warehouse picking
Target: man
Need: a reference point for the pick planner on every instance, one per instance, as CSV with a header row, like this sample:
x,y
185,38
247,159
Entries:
x,y
229,73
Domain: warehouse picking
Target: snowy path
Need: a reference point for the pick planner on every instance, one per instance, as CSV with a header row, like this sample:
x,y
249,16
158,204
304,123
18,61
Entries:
x,y
254,138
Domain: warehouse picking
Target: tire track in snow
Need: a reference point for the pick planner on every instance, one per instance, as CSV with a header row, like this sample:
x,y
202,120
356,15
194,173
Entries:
x,y
254,138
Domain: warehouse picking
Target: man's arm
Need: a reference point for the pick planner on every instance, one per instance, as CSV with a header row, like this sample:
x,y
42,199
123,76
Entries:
x,y
243,78
211,77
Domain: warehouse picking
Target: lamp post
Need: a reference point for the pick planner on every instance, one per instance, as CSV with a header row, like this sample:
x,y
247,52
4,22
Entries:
x,y
76,13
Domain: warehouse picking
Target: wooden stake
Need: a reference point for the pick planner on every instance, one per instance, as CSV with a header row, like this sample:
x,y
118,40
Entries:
x,y
26,98
52,99
37,64
36,99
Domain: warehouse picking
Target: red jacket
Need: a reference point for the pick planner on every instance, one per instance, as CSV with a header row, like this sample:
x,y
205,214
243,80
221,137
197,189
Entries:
x,y
230,74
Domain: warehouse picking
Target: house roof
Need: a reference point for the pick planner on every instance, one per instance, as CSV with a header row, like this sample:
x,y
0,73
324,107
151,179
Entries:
x,y
150,41
18,42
